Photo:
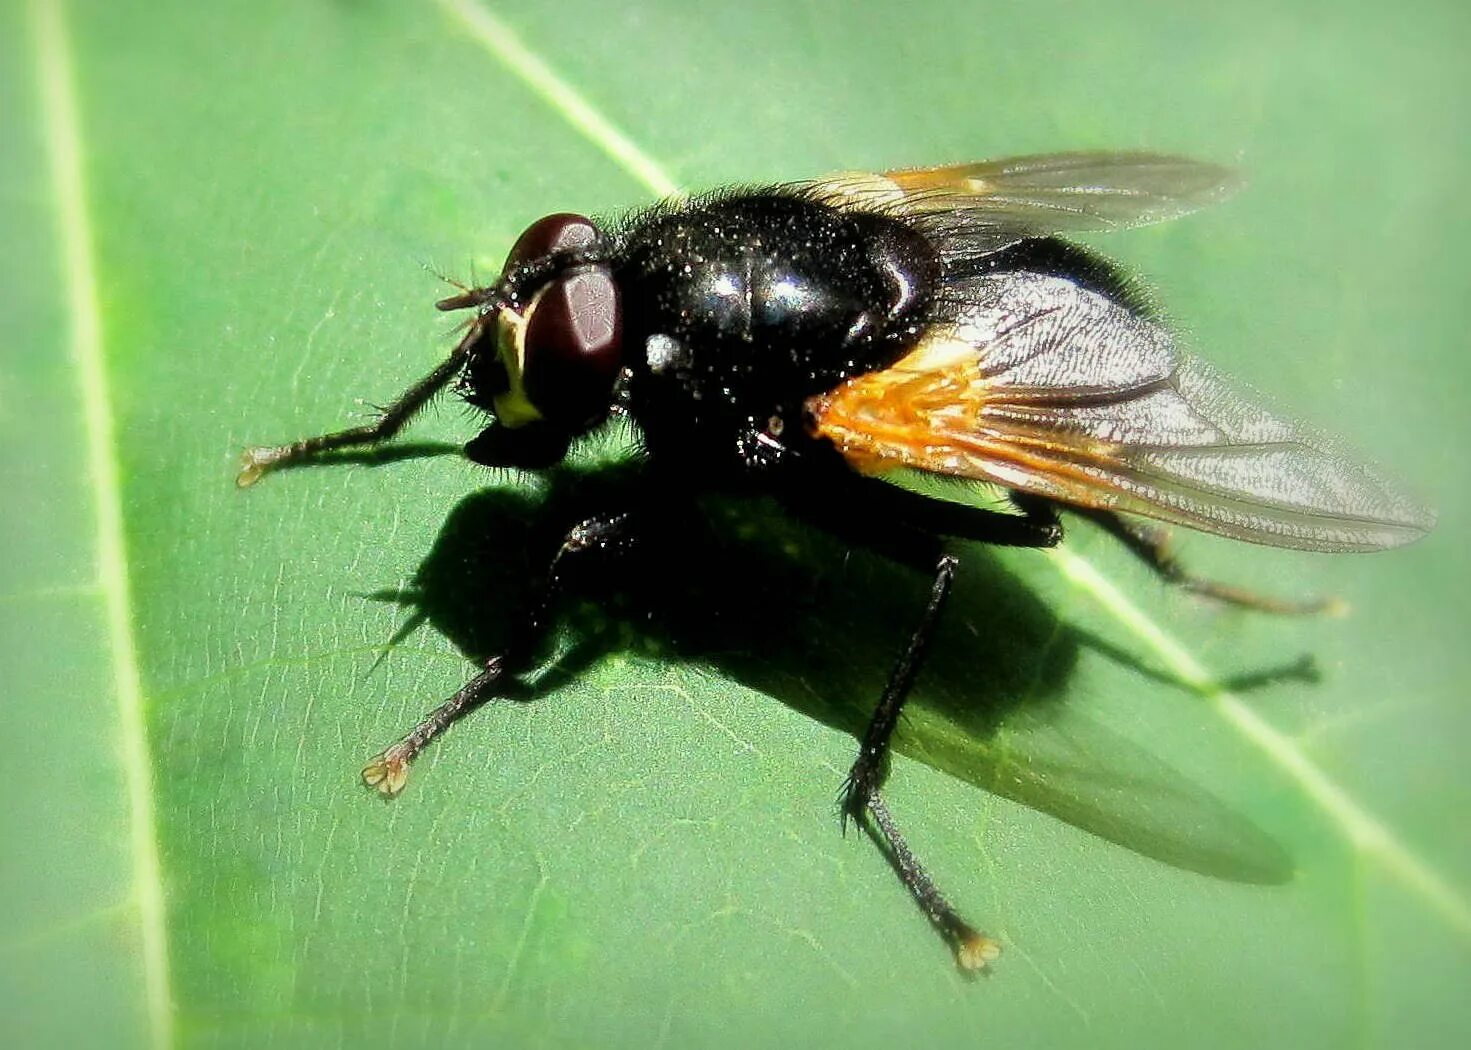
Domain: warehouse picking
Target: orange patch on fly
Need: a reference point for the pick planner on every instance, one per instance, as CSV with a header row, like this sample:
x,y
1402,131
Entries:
x,y
935,410
898,416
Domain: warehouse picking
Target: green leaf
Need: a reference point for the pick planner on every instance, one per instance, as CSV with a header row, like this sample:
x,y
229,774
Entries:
x,y
215,218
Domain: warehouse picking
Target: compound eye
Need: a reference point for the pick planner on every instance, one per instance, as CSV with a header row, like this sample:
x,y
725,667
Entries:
x,y
555,233
574,346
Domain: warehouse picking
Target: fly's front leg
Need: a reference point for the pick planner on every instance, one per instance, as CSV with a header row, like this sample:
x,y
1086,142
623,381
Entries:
x,y
603,535
260,459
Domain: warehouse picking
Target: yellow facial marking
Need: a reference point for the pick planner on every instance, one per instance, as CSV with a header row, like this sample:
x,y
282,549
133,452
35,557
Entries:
x,y
513,408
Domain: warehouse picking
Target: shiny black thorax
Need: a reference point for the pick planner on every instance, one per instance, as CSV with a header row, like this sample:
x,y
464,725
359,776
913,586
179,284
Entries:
x,y
739,307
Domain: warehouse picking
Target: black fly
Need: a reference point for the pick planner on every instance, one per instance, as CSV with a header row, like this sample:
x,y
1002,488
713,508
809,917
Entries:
x,y
805,340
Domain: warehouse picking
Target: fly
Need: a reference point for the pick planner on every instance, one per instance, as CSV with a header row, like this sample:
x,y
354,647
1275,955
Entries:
x,y
816,340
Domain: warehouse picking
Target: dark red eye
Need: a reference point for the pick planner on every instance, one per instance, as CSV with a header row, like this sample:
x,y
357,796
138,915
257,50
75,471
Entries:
x,y
574,346
555,233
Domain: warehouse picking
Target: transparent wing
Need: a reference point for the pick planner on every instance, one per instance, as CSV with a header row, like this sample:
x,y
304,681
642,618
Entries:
x,y
1048,193
1048,388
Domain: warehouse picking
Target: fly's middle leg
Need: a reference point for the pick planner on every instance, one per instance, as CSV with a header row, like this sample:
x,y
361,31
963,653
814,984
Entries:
x,y
873,752
861,798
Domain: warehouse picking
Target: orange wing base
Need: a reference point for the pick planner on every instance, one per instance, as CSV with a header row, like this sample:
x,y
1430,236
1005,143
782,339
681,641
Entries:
x,y
930,411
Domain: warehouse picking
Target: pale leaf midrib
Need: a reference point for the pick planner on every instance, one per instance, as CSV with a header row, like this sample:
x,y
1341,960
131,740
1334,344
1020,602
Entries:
x,y
1367,835
1365,832
501,41
62,131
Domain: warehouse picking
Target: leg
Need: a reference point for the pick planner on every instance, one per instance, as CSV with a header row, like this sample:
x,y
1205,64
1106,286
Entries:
x,y
1151,545
258,460
600,535
863,778
1036,525
973,949
860,792
907,526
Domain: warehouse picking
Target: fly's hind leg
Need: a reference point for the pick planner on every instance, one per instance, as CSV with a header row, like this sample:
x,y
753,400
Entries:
x,y
260,459
602,535
1151,545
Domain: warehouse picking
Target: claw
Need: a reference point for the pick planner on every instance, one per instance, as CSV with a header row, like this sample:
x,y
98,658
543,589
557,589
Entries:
x,y
388,773
255,461
975,950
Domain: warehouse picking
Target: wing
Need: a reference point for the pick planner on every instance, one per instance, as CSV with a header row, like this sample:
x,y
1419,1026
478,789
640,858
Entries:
x,y
1046,387
1038,195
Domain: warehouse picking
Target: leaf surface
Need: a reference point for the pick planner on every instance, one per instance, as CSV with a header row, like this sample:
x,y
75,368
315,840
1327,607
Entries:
x,y
216,216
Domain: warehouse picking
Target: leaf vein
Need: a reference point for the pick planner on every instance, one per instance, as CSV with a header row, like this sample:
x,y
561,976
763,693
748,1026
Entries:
x,y
61,122
501,41
1365,832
